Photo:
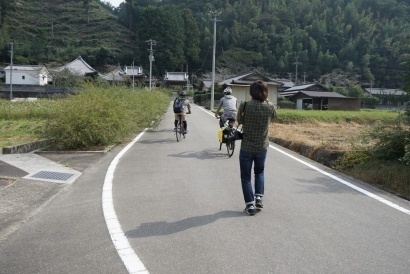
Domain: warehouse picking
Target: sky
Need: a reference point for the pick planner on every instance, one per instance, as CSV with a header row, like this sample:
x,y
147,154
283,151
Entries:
x,y
115,3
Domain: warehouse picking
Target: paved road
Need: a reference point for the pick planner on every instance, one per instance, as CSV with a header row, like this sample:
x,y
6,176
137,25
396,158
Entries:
x,y
179,207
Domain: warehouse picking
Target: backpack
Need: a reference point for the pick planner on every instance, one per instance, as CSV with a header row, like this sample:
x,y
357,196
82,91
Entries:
x,y
178,105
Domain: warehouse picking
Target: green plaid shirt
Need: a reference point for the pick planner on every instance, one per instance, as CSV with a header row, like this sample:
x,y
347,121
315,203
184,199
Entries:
x,y
256,120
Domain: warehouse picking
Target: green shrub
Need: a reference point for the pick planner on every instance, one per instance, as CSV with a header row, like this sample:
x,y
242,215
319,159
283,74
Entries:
x,y
370,101
389,142
98,117
201,98
352,159
390,176
286,105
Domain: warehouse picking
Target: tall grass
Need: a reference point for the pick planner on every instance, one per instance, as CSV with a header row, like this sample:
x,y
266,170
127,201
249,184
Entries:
x,y
98,117
95,117
368,117
41,109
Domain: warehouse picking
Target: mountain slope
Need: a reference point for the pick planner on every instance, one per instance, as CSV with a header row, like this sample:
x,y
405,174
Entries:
x,y
57,31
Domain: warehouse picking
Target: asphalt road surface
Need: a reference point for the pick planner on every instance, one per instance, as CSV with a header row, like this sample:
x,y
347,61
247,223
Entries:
x,y
162,206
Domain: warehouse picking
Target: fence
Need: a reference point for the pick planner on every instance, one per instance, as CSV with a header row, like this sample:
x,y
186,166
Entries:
x,y
20,91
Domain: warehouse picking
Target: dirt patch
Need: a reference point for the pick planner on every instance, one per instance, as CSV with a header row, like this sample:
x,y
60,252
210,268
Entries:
x,y
343,137
5,182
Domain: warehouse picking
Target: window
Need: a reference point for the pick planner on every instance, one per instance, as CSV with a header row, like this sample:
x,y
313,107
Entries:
x,y
23,77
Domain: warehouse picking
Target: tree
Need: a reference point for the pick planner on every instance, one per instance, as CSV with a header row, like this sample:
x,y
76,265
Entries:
x,y
238,60
165,25
192,36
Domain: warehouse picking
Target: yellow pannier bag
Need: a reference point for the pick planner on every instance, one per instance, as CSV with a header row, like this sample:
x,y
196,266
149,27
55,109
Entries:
x,y
220,131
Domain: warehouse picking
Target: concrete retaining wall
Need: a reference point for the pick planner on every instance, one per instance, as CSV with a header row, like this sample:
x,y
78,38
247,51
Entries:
x,y
322,156
25,148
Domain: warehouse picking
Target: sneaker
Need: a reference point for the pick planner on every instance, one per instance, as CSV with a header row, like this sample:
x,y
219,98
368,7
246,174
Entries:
x,y
258,202
250,209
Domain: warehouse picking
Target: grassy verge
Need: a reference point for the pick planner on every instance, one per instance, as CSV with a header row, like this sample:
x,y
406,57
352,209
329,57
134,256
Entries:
x,y
95,118
363,117
23,122
100,117
19,131
349,132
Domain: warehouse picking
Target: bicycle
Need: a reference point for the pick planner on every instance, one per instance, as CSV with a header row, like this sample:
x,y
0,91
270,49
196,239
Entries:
x,y
180,129
228,136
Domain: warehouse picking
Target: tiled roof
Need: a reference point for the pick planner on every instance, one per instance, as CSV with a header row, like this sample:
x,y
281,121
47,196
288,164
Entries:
x,y
244,79
79,66
114,75
235,78
176,76
300,87
286,83
26,67
207,83
321,94
384,91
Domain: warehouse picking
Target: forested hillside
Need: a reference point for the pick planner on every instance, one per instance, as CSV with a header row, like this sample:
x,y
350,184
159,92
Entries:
x,y
54,32
363,40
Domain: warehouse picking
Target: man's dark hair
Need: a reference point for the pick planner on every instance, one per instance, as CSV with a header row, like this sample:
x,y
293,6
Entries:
x,y
259,90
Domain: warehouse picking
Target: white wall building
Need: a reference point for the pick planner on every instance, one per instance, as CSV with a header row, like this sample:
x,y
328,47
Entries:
x,y
240,86
27,75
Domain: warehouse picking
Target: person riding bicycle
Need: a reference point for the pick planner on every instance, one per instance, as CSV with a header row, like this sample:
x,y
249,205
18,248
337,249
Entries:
x,y
185,109
229,105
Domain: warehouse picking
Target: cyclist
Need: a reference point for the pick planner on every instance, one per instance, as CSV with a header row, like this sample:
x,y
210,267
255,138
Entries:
x,y
186,108
229,104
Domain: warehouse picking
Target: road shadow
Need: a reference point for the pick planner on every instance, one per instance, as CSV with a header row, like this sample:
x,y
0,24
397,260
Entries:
x,y
158,141
164,228
324,184
202,155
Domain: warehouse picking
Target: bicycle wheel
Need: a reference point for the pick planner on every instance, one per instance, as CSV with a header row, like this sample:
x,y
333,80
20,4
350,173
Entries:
x,y
230,146
177,131
182,130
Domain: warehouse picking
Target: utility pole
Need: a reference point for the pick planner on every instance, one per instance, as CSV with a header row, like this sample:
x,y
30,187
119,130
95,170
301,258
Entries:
x,y
215,15
290,76
133,73
296,63
11,69
151,59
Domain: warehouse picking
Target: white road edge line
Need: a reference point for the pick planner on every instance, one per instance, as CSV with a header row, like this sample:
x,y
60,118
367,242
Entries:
x,y
130,259
365,192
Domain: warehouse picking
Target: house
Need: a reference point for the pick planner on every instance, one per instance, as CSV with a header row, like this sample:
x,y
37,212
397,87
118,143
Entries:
x,y
116,75
134,71
384,91
286,84
240,86
389,98
320,100
305,87
205,85
175,80
78,67
27,75
317,96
